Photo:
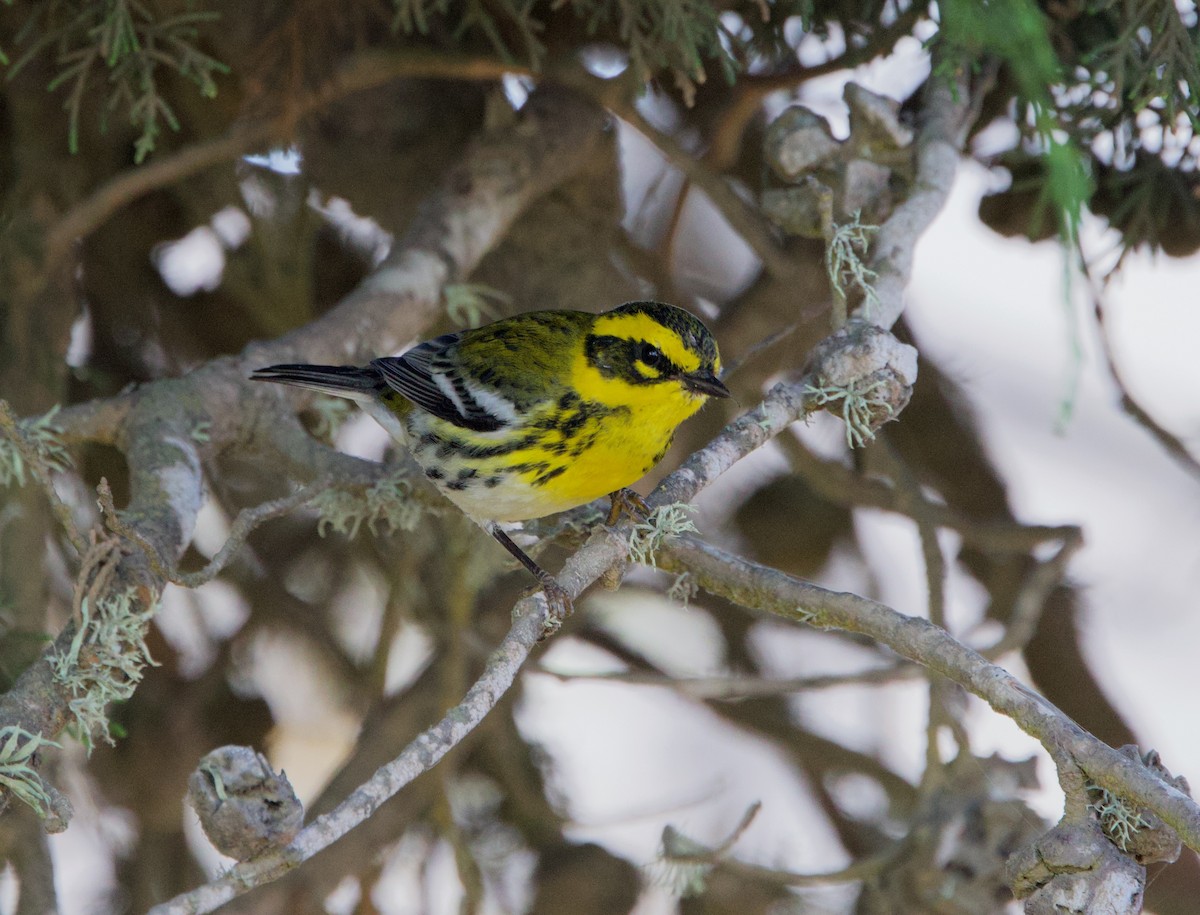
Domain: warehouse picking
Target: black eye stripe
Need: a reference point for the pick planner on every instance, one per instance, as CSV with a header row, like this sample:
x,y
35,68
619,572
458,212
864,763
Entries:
x,y
626,358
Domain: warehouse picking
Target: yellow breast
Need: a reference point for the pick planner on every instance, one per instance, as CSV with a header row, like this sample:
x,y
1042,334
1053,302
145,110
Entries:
x,y
620,448
569,454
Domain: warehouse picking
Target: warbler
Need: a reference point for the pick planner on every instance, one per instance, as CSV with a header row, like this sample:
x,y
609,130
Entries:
x,y
537,413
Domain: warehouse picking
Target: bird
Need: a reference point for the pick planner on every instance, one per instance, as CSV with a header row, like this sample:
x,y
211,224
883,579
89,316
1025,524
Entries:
x,y
536,413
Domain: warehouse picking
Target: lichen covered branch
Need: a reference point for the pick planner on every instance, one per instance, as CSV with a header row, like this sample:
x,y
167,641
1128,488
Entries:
x,y
918,640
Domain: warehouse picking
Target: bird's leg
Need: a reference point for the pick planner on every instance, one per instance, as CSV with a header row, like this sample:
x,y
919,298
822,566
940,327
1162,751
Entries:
x,y
557,598
629,503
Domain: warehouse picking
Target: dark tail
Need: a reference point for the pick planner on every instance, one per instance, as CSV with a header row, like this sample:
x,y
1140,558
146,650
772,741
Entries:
x,y
338,380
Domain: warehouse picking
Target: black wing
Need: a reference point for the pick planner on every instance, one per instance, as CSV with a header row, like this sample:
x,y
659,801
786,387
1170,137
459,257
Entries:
x,y
429,376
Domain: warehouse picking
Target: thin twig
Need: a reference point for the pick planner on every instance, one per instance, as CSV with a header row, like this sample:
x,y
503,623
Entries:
x,y
118,525
734,688
671,236
844,486
733,366
96,569
746,220
678,849
739,830
860,870
1170,443
912,502
248,519
1031,599
941,702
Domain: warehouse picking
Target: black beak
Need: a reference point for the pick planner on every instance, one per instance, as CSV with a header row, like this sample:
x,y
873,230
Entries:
x,y
705,382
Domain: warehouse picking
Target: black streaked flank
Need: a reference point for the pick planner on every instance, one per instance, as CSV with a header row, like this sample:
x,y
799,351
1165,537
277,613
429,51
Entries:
x,y
543,478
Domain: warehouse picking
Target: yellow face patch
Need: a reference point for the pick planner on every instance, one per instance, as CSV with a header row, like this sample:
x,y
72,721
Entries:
x,y
643,327
672,398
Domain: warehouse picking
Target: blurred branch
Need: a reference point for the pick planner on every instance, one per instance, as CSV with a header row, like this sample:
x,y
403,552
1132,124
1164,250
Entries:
x,y
243,526
681,851
736,688
365,70
903,495
122,528
93,211
919,640
23,842
817,759
168,428
752,90
1027,607
842,485
745,218
913,503
98,421
1170,443
420,755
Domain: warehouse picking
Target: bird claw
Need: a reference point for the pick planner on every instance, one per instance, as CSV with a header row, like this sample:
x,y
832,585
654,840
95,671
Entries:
x,y
558,607
629,503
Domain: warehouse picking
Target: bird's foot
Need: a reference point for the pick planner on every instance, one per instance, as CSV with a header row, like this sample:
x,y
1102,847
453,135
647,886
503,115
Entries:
x,y
628,503
558,607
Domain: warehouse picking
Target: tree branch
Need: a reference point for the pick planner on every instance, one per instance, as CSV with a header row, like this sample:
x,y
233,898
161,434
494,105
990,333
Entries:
x,y
752,89
605,549
420,755
917,639
1171,443
944,120
365,70
736,688
169,428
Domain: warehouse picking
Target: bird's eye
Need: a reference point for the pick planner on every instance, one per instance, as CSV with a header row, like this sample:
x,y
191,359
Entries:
x,y
651,356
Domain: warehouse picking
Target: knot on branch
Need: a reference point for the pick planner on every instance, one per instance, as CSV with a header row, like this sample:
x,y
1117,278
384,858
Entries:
x,y
1097,864
1075,869
831,179
245,807
864,375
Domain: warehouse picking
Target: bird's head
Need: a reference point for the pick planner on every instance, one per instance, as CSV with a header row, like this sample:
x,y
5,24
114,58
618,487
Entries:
x,y
649,354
